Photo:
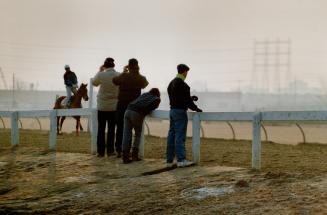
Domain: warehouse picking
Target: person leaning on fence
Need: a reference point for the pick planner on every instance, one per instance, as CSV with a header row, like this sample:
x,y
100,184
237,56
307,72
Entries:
x,y
106,105
130,83
133,119
70,80
180,100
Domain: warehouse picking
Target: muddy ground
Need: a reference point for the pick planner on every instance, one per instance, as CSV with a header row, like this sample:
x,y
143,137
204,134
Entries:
x,y
293,179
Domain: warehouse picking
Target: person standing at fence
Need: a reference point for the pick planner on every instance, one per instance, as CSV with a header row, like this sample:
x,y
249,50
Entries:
x,y
70,81
130,83
106,105
134,117
180,100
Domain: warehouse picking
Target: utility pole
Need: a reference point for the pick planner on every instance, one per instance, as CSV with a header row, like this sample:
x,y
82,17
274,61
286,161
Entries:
x,y
271,65
3,79
14,102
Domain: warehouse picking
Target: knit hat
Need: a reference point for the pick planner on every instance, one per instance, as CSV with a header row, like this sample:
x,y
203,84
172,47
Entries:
x,y
109,62
67,66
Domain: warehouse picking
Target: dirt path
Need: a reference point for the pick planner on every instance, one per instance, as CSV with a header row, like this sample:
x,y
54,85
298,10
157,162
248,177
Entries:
x,y
35,182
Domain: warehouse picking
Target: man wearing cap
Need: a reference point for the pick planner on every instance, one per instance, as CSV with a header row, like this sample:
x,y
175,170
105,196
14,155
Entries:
x,y
70,83
106,104
180,100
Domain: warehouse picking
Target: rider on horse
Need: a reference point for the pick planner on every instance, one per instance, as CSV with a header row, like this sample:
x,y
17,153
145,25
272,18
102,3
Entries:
x,y
71,84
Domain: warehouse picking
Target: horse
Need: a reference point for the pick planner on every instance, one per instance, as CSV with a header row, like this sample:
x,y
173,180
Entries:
x,y
76,102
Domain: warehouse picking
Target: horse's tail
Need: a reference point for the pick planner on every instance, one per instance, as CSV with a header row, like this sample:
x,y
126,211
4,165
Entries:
x,y
58,102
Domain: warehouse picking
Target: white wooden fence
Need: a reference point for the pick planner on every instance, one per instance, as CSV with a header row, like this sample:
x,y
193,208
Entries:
x,y
196,118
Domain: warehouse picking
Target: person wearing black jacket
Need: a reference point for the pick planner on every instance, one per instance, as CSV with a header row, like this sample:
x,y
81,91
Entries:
x,y
130,83
134,117
180,101
71,84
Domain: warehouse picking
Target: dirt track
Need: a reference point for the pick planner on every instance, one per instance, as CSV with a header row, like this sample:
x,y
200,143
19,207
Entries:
x,y
292,181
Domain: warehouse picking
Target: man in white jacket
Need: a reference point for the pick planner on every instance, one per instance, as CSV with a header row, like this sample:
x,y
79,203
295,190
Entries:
x,y
106,105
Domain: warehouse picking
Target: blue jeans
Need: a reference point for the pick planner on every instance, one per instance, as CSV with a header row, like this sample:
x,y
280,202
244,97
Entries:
x,y
177,135
132,120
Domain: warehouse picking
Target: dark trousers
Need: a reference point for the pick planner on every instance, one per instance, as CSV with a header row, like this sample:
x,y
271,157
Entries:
x,y
106,118
133,120
121,109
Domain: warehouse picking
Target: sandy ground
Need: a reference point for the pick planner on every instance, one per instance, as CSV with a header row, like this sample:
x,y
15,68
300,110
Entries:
x,y
71,181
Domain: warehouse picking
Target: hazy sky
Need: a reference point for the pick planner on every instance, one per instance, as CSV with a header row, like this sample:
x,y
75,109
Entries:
x,y
214,37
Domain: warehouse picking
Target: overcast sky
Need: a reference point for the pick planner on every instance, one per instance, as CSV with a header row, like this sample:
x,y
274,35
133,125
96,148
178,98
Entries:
x,y
214,37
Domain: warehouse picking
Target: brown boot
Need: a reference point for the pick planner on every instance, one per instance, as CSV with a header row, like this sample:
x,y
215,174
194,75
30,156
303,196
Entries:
x,y
135,154
126,158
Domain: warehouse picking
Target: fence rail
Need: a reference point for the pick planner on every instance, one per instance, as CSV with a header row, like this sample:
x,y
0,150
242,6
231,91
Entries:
x,y
255,117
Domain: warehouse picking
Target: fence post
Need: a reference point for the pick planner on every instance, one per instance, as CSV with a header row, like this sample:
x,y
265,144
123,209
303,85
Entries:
x,y
53,130
196,137
90,105
94,131
14,128
141,147
256,141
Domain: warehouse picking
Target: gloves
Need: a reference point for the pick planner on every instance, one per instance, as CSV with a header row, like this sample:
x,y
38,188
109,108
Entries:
x,y
198,110
194,98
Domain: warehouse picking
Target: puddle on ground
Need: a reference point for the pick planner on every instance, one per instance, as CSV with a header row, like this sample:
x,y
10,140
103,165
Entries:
x,y
204,192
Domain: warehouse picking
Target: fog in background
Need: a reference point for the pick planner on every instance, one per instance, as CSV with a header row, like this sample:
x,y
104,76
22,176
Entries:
x,y
214,37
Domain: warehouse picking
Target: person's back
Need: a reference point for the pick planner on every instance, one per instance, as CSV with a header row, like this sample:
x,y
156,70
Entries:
x,y
108,93
145,103
130,86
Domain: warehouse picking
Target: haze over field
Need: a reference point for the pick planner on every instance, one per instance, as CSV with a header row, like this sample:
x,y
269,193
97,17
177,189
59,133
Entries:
x,y
214,37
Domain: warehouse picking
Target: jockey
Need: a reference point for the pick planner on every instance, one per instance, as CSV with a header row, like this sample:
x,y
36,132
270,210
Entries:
x,y
70,83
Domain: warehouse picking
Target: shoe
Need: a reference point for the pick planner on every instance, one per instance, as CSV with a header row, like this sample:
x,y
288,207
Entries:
x,y
118,154
110,154
135,154
170,165
100,155
126,158
184,163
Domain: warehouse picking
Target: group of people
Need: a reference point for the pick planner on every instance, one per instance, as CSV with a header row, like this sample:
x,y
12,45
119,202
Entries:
x,y
122,108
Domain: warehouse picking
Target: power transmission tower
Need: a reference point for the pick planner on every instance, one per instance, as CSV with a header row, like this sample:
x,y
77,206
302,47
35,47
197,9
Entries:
x,y
3,79
271,65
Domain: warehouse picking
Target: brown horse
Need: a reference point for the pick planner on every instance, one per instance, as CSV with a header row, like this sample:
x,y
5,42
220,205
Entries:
x,y
76,102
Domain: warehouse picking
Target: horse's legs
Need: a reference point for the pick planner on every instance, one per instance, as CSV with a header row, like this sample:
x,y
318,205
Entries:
x,y
62,122
78,124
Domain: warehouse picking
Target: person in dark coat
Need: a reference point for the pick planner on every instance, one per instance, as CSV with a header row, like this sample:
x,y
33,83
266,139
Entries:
x,y
130,83
180,101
